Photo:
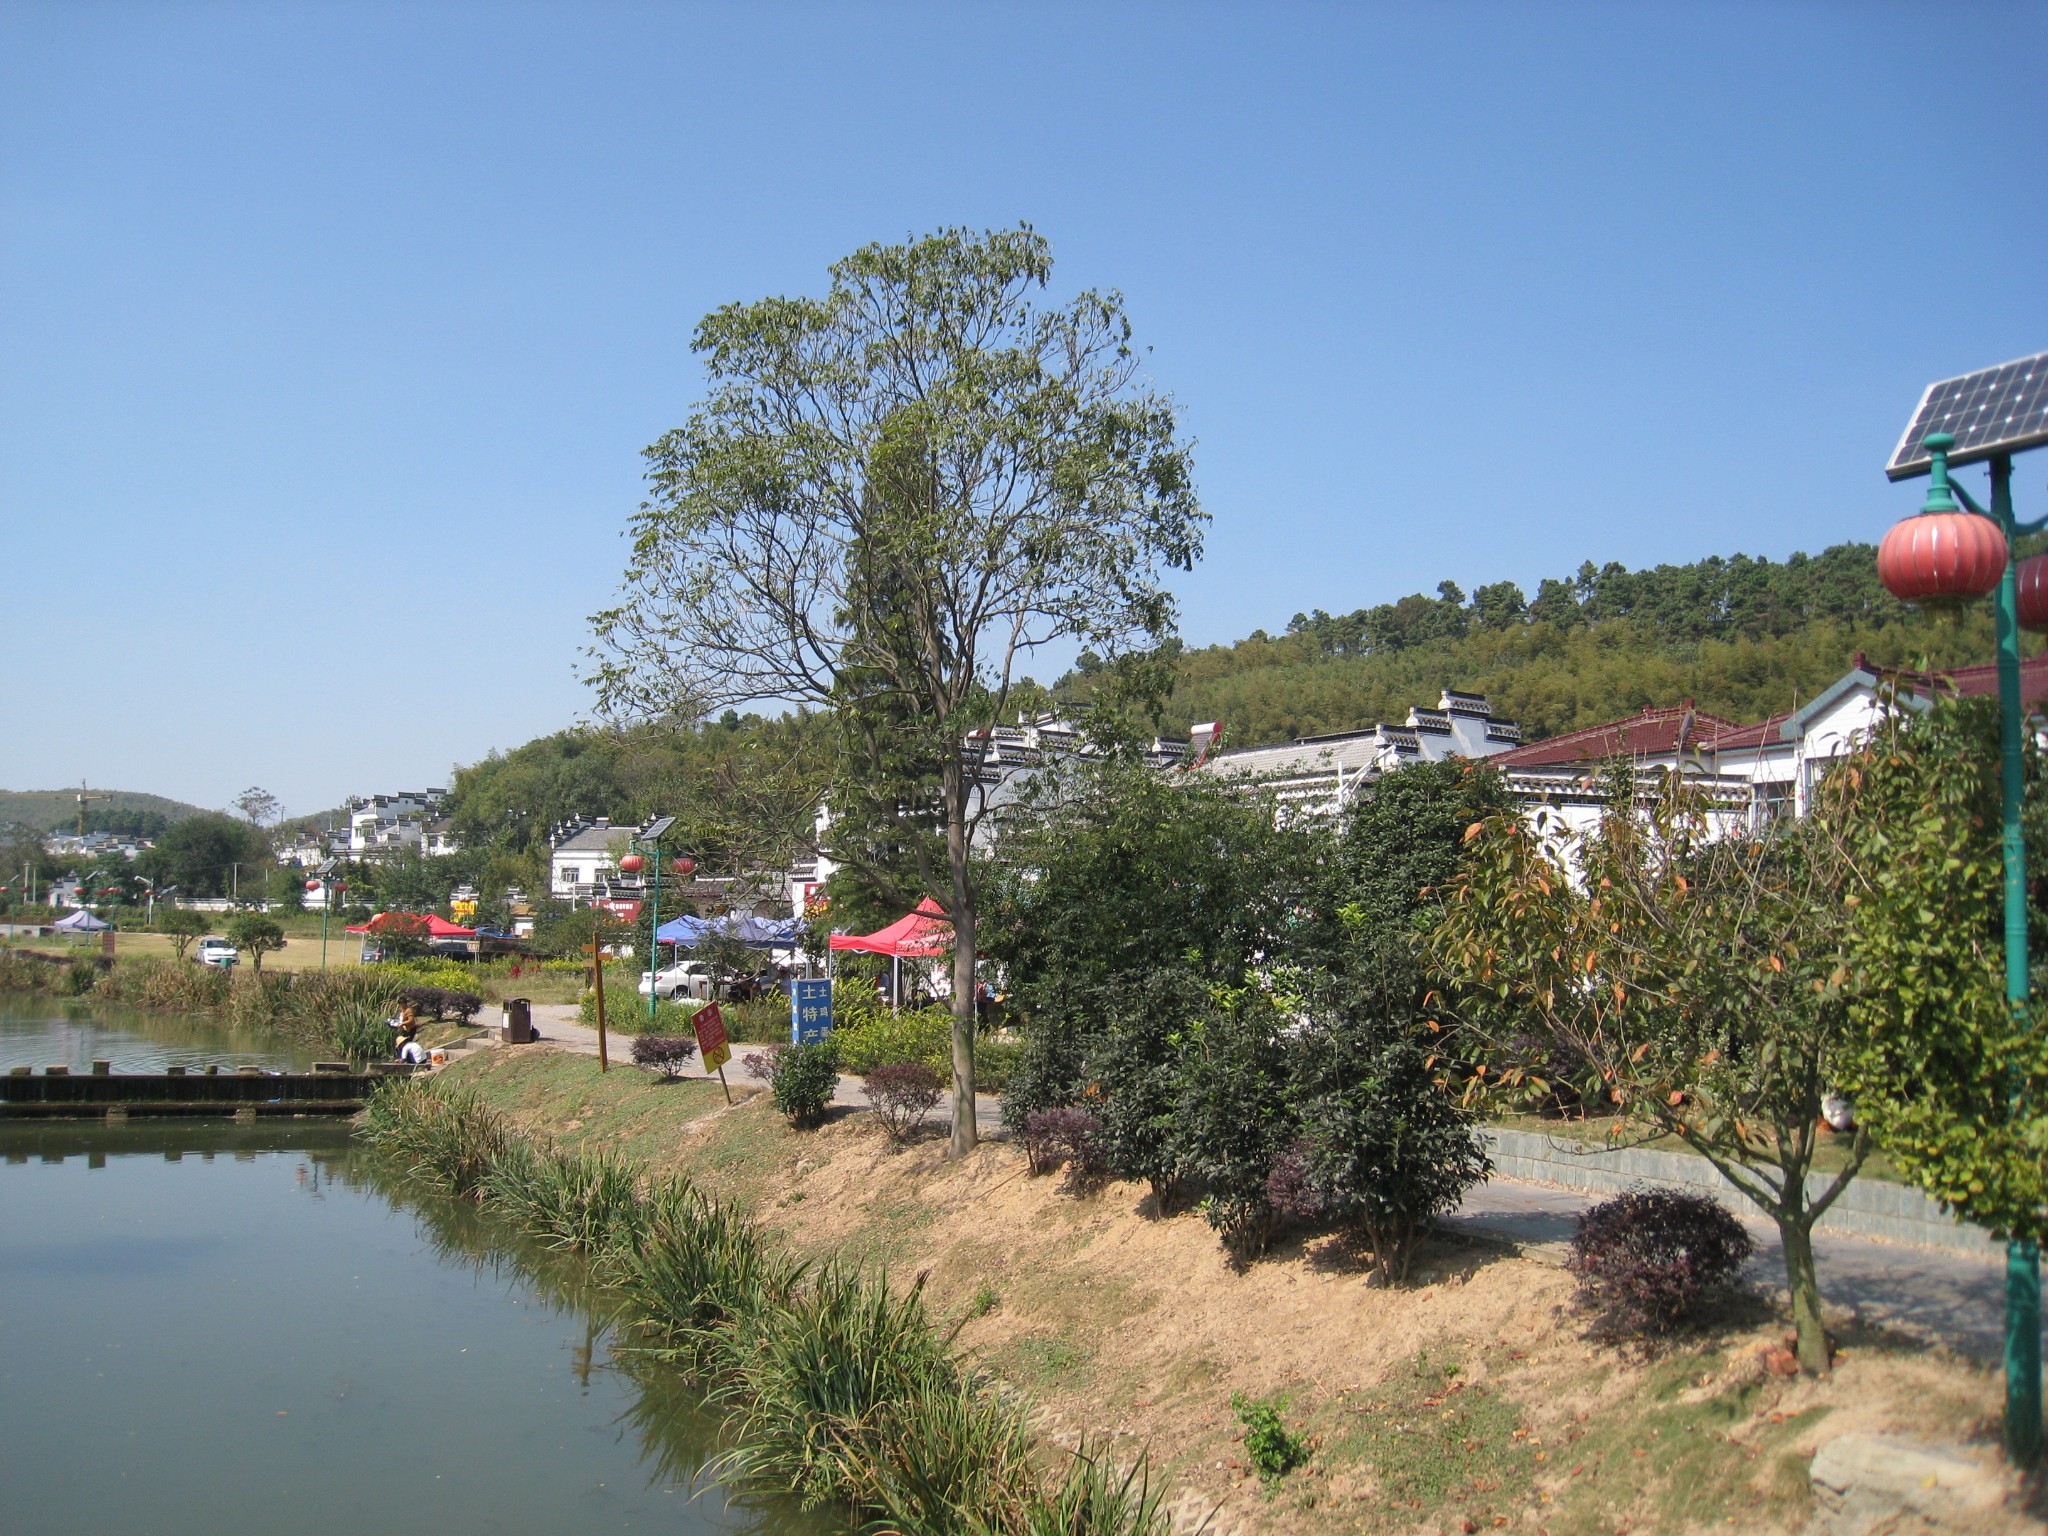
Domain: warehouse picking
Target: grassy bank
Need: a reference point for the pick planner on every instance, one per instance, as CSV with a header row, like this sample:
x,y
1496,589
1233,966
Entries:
x,y
1471,1394
836,1388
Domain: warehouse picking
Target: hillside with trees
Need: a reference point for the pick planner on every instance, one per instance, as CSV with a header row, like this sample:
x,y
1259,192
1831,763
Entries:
x,y
1742,637
124,812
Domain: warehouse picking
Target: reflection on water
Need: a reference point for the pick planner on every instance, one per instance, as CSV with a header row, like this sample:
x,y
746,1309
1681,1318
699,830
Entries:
x,y
220,1328
40,1031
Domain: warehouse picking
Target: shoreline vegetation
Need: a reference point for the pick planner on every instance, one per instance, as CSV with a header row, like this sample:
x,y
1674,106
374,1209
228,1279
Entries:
x,y
1473,1392
835,1387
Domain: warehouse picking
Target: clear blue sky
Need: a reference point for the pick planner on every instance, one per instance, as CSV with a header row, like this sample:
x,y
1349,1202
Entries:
x,y
330,334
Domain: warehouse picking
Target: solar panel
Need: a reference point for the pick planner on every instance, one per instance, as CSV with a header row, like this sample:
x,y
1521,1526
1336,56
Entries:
x,y
1990,412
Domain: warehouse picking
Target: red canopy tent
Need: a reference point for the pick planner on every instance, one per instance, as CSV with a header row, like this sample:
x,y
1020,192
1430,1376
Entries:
x,y
925,932
436,927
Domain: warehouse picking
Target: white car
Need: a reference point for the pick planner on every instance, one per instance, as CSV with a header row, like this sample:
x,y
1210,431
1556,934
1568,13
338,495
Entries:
x,y
686,980
218,952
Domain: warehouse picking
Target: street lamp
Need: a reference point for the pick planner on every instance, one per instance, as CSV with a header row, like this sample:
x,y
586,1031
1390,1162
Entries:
x,y
1951,552
650,837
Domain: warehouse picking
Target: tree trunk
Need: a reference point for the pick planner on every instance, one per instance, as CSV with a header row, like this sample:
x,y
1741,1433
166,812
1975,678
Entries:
x,y
965,1132
1795,1232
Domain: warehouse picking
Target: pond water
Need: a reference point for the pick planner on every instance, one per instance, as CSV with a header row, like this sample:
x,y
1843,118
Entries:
x,y
39,1031
221,1328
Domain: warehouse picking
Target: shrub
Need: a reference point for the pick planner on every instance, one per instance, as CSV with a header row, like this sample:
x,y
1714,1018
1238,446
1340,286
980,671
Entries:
x,y
666,1054
1388,1148
903,1094
1229,1120
1273,1450
625,1012
359,1032
1070,1136
1290,1188
441,1003
765,1021
1645,1259
81,976
803,1078
872,1038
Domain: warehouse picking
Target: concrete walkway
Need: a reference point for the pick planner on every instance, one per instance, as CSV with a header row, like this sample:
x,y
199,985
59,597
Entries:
x,y
1937,1297
559,1025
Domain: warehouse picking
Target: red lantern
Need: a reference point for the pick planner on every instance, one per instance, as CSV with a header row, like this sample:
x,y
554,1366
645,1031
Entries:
x,y
1941,557
684,866
312,885
2033,584
632,864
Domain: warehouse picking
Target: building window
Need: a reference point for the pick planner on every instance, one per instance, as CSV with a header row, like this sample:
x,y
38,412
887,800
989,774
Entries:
x,y
570,876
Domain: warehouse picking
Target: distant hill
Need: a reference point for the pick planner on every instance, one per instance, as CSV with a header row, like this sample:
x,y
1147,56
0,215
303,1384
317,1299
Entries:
x,y
1741,637
47,810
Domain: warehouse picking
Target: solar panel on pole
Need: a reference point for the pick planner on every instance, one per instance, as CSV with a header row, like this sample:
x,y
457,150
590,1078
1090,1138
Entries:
x,y
1992,412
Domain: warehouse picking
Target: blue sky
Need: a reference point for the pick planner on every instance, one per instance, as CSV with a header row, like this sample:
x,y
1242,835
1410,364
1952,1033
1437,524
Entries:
x,y
330,334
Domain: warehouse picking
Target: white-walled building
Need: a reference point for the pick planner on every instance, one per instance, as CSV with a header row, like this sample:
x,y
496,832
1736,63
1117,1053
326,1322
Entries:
x,y
380,826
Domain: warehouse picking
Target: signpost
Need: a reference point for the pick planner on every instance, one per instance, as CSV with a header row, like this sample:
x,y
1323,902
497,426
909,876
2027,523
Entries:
x,y
709,1026
597,980
810,1010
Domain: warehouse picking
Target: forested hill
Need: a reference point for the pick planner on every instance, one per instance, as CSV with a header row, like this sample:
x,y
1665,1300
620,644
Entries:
x,y
1741,637
130,812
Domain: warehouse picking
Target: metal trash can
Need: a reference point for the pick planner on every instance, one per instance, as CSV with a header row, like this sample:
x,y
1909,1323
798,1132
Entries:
x,y
518,1026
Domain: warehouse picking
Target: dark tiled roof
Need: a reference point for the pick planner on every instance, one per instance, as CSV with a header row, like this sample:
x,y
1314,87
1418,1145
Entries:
x,y
1654,730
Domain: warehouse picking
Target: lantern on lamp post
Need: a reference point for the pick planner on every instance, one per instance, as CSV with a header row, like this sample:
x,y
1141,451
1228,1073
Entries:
x,y
1951,553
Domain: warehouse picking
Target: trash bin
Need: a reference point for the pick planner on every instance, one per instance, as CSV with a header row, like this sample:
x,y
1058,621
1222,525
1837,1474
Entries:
x,y
518,1026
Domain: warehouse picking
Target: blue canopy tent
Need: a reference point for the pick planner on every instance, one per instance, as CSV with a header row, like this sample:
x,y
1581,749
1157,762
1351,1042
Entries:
x,y
754,932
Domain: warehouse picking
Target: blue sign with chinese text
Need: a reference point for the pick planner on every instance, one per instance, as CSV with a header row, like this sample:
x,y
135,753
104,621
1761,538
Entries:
x,y
810,1010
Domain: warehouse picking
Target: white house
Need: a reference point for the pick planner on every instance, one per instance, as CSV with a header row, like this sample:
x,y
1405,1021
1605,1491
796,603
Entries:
x,y
382,825
1322,773
583,859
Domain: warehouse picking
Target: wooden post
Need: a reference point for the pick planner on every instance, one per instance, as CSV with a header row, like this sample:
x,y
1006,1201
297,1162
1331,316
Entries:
x,y
597,977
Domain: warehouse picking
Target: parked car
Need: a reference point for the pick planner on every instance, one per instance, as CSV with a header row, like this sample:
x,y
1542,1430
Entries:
x,y
689,979
218,952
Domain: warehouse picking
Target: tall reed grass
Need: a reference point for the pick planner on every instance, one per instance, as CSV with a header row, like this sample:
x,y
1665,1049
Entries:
x,y
833,1387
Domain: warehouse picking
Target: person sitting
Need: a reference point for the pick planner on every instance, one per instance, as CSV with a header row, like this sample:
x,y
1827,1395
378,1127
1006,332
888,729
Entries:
x,y
413,1053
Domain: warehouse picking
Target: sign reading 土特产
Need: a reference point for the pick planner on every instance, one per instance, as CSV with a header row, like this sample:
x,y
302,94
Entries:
x,y
810,1010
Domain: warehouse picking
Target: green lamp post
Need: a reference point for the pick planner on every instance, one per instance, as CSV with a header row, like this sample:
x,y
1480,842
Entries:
x,y
649,837
1949,553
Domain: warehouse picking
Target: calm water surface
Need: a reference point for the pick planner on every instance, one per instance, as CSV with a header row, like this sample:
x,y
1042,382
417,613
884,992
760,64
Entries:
x,y
218,1328
38,1031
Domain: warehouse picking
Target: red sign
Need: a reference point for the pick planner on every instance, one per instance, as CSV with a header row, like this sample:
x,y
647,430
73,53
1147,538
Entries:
x,y
625,911
709,1025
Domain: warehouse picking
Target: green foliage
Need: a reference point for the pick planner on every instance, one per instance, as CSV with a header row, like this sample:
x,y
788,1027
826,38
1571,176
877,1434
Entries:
x,y
1387,1148
1697,979
625,1011
1742,637
198,854
182,926
802,1078
255,936
1272,1448
1953,1080
1231,1118
875,1037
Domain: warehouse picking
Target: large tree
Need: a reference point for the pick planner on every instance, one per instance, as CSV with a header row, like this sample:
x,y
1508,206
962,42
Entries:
x,y
893,496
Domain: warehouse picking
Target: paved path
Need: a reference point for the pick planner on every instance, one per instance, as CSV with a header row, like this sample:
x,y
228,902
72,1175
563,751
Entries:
x,y
559,1025
1935,1296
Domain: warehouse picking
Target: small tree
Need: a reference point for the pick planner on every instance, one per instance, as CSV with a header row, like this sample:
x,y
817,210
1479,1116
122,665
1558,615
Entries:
x,y
1950,1076
182,927
255,936
1696,970
259,807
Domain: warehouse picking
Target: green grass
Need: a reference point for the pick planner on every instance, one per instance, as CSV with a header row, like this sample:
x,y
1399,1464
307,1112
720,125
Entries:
x,y
1437,1443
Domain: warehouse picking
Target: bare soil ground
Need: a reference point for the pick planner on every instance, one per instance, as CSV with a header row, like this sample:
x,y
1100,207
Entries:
x,y
1467,1400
